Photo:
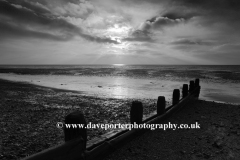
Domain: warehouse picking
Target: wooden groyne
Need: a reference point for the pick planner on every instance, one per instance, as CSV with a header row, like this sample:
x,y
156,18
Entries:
x,y
75,146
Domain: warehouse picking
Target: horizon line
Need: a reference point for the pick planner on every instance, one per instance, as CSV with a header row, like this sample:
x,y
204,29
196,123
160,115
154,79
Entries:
x,y
121,64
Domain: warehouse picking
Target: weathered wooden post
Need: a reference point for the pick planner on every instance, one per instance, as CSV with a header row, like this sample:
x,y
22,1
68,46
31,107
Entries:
x,y
191,87
197,85
176,96
161,105
136,112
185,90
196,82
78,130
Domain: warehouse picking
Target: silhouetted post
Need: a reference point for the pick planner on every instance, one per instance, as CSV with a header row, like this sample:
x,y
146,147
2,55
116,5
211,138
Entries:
x,y
197,85
176,96
72,133
136,112
198,91
191,87
196,82
161,104
185,90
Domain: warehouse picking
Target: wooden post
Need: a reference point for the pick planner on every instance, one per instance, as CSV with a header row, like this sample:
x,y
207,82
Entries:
x,y
191,87
75,132
198,91
197,85
161,105
196,82
185,90
136,112
176,96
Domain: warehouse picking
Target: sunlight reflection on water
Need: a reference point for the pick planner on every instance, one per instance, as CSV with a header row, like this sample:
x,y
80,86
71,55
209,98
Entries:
x,y
118,90
124,87
110,87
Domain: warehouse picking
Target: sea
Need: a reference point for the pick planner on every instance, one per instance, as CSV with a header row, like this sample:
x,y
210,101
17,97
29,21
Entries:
x,y
220,83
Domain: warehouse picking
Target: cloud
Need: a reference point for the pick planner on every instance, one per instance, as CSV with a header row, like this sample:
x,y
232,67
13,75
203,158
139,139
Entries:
x,y
33,24
139,35
146,30
34,6
214,11
184,41
178,14
211,11
174,27
12,31
159,22
77,9
98,39
231,47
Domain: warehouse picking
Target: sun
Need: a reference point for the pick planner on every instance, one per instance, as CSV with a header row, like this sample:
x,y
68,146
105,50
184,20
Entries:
x,y
118,64
118,30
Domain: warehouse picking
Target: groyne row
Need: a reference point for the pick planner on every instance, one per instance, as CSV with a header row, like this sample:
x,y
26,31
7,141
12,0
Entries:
x,y
75,146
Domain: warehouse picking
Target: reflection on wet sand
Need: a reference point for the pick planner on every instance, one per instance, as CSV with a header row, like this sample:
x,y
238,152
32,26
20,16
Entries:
x,y
125,87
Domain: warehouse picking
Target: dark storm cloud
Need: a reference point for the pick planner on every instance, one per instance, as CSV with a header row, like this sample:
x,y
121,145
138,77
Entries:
x,y
220,10
217,4
145,33
174,15
223,16
21,21
159,22
233,4
220,16
176,9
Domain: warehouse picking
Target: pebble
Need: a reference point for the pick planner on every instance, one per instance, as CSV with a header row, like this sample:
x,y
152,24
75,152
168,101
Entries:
x,y
234,132
217,145
207,156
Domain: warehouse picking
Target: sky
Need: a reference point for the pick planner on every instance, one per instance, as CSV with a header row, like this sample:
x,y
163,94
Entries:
x,y
188,32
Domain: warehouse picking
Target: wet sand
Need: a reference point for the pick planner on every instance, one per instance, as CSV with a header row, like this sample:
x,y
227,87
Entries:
x,y
131,87
218,83
218,137
105,87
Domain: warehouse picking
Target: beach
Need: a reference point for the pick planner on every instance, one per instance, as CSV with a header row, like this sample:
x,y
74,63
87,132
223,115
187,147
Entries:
x,y
33,99
29,126
29,115
113,63
217,139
